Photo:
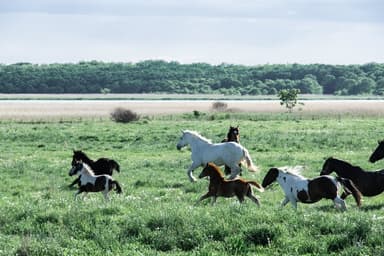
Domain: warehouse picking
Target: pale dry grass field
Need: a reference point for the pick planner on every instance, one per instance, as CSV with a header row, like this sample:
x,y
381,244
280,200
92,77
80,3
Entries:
x,y
40,109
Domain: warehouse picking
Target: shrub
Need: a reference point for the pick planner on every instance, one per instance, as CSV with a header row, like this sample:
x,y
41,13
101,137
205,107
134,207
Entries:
x,y
219,106
122,115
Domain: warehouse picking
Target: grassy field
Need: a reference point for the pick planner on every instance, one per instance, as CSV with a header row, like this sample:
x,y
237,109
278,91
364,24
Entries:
x,y
156,214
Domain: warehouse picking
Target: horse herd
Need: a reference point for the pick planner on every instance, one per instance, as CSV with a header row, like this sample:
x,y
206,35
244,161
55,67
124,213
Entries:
x,y
96,176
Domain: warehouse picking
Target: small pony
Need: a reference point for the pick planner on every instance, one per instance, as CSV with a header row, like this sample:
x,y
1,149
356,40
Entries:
x,y
300,189
232,135
100,166
218,186
89,182
378,153
204,152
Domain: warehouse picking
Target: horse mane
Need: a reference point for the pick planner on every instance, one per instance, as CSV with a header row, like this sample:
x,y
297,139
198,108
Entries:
x,y
196,134
293,170
88,169
216,169
347,163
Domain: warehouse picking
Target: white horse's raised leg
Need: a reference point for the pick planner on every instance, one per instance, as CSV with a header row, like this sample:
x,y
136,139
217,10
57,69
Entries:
x,y
235,170
190,170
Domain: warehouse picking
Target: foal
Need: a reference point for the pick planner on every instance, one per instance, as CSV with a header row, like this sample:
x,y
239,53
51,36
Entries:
x,y
218,186
300,189
100,166
89,182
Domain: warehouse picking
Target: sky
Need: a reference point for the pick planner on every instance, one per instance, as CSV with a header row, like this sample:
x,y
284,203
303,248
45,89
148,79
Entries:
x,y
247,32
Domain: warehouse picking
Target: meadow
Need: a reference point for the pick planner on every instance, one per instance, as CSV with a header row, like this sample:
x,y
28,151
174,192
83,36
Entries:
x,y
156,214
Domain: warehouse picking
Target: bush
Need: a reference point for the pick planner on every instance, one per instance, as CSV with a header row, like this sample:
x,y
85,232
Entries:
x,y
122,115
219,106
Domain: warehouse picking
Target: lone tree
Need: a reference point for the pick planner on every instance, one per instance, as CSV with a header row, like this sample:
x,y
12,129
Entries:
x,y
288,97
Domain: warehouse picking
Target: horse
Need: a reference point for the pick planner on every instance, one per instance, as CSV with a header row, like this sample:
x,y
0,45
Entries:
x,y
219,186
89,182
300,189
204,151
378,153
232,135
369,183
100,166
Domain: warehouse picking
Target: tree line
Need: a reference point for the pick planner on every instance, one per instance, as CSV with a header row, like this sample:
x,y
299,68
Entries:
x,y
157,76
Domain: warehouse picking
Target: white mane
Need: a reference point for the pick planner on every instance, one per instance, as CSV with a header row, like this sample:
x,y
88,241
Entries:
x,y
196,134
292,170
87,169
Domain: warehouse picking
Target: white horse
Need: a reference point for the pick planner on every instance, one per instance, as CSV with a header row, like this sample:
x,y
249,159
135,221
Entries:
x,y
204,152
300,189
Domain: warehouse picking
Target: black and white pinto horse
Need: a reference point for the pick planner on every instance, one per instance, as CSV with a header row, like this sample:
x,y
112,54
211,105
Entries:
x,y
100,166
300,189
89,182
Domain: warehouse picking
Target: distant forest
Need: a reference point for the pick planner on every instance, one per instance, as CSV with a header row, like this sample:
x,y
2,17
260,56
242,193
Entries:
x,y
156,76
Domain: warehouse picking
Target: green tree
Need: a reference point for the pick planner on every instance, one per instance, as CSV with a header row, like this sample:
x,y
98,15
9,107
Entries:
x,y
288,98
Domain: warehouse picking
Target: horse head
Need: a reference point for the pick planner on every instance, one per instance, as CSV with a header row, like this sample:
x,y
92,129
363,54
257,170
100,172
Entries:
x,y
233,134
378,153
271,176
78,156
76,168
211,170
182,141
327,169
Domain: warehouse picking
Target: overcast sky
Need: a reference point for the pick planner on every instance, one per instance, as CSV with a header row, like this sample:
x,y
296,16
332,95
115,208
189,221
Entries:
x,y
248,32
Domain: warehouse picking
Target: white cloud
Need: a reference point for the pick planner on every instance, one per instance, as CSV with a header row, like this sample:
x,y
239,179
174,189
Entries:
x,y
214,31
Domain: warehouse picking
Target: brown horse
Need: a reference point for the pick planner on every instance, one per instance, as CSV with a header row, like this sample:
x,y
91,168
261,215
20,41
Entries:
x,y
219,186
232,135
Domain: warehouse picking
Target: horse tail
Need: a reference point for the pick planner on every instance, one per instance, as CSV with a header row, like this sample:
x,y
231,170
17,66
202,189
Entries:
x,y
115,165
118,187
350,187
249,162
257,185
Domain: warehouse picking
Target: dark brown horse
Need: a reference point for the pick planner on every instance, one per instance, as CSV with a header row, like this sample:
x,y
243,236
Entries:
x,y
219,186
378,153
232,135
369,183
99,167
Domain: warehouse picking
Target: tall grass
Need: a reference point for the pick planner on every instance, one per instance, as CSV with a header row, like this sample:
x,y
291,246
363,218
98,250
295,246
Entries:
x,y
156,214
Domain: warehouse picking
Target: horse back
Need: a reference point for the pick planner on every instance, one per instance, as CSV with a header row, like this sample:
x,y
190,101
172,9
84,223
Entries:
x,y
322,187
105,166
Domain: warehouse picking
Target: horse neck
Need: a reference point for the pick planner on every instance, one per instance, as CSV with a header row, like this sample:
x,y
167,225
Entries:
x,y
196,142
215,177
86,159
86,171
345,169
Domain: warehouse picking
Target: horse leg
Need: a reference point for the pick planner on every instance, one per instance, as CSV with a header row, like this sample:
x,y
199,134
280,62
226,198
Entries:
x,y
252,197
190,170
77,193
345,194
340,203
284,202
213,200
203,197
74,182
235,170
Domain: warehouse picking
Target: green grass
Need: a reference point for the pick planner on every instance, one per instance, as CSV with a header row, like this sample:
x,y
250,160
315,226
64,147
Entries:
x,y
156,214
